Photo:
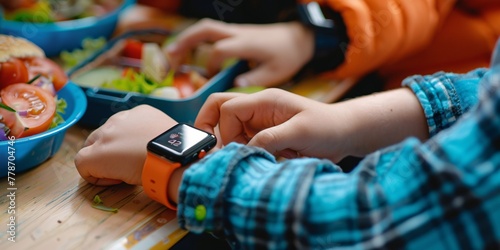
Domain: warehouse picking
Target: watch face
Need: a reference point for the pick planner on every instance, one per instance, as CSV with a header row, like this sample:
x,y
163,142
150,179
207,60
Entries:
x,y
181,143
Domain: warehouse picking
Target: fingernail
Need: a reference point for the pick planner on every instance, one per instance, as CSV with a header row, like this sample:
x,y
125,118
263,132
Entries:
x,y
242,82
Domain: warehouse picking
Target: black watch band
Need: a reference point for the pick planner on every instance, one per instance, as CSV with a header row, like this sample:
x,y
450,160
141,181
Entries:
x,y
330,36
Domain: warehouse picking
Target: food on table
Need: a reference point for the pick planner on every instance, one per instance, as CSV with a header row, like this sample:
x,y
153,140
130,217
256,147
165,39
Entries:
x,y
142,67
49,11
89,46
97,203
28,89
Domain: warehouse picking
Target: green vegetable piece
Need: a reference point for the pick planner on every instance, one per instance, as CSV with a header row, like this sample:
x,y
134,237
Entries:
x,y
98,204
6,107
32,17
34,79
98,76
61,106
169,80
146,86
133,82
97,199
104,208
89,47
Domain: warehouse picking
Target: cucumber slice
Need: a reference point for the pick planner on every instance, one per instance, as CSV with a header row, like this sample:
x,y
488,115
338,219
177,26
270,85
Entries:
x,y
97,76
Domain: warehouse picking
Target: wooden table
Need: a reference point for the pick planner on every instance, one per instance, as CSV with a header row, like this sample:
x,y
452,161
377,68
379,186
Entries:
x,y
53,209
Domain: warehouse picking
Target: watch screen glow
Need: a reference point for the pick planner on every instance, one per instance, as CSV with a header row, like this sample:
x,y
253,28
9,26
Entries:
x,y
181,138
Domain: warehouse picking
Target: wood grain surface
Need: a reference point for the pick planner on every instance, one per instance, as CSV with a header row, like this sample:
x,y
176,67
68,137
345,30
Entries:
x,y
53,206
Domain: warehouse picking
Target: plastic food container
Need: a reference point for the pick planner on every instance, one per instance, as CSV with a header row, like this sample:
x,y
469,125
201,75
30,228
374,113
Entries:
x,y
27,153
103,103
53,38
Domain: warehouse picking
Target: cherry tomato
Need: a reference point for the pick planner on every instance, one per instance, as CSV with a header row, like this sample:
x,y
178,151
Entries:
x,y
47,68
13,71
35,107
133,49
182,81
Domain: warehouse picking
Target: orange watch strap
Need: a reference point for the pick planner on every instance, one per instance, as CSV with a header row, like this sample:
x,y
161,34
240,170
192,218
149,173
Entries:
x,y
156,176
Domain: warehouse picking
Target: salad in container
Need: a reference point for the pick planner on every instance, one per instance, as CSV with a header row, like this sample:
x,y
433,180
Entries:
x,y
57,25
133,69
37,105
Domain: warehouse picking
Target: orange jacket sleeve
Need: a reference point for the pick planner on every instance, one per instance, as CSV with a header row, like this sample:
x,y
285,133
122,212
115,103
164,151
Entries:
x,y
383,31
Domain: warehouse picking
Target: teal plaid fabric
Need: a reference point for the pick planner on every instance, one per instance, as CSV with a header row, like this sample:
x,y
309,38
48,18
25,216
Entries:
x,y
439,194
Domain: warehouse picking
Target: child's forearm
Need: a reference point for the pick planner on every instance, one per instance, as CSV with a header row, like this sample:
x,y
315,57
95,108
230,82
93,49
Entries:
x,y
383,119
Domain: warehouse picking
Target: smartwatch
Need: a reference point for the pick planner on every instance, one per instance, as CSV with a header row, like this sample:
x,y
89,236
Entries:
x,y
174,148
330,35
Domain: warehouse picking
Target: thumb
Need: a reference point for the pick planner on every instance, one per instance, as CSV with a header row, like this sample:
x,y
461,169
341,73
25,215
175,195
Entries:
x,y
278,138
262,75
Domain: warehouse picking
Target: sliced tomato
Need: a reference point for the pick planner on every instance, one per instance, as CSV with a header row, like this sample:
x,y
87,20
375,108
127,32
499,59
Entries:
x,y
133,49
10,119
182,81
13,71
35,107
47,68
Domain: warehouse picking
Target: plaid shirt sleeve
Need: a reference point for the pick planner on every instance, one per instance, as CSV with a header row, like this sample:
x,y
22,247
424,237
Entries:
x,y
442,194
445,96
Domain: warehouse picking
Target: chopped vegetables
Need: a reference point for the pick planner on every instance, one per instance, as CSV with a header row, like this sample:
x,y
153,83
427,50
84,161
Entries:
x,y
60,110
39,12
135,66
98,76
97,203
133,49
132,81
89,47
49,11
154,62
166,92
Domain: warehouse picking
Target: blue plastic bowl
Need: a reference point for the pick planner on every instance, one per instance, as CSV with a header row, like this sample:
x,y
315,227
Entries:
x,y
53,38
33,150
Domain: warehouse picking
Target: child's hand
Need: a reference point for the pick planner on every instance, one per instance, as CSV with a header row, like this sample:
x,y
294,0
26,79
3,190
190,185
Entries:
x,y
279,50
290,125
116,151
283,123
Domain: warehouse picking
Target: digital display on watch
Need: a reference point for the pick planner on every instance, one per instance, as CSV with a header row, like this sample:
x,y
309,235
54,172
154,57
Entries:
x,y
181,141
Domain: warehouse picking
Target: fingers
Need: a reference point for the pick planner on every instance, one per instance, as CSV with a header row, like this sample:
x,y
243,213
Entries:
x,y
209,114
282,138
228,112
206,30
84,167
263,75
241,118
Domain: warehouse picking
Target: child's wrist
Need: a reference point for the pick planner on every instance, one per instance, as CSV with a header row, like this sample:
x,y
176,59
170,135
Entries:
x,y
175,183
347,135
176,180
